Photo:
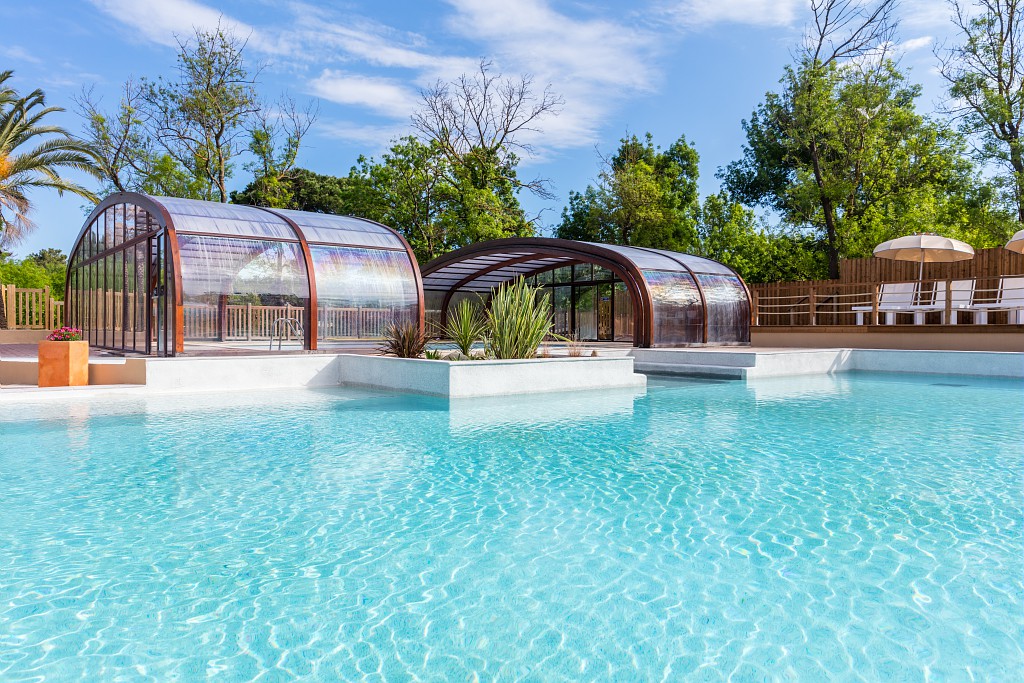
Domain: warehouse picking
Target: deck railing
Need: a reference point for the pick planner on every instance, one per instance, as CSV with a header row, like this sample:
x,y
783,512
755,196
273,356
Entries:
x,y
828,303
31,309
250,322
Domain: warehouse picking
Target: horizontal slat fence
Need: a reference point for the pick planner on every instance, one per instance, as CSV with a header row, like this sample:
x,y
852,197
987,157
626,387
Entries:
x,y
831,301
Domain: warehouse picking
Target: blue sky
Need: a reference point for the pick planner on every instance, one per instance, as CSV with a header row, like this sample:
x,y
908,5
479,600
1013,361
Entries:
x,y
671,67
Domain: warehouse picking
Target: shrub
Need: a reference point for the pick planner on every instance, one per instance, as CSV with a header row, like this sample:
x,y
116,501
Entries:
x,y
518,320
466,326
403,339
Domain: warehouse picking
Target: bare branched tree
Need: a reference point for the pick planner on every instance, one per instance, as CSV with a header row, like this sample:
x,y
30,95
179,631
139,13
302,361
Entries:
x,y
848,29
985,72
482,121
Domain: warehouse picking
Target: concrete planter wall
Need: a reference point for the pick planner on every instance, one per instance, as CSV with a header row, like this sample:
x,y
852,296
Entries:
x,y
461,379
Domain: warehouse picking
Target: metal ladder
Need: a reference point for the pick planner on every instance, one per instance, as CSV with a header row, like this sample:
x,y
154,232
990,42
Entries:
x,y
291,325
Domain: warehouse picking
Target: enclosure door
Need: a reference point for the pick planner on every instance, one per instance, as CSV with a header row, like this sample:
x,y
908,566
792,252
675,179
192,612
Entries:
x,y
604,312
158,296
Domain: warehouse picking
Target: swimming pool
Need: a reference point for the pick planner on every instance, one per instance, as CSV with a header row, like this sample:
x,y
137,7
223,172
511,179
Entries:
x,y
864,526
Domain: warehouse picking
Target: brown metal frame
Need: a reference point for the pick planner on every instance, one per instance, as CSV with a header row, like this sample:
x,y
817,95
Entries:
x,y
583,252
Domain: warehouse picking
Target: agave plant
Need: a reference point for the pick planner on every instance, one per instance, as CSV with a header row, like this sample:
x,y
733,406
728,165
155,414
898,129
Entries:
x,y
466,326
518,320
403,339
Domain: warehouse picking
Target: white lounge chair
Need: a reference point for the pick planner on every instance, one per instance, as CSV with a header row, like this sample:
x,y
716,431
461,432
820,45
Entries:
x,y
894,297
962,292
1010,299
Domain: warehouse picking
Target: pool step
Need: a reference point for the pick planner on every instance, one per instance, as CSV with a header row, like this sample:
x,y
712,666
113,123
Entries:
x,y
692,370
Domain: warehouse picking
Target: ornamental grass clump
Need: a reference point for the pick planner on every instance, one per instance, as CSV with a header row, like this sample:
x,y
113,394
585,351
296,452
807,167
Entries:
x,y
65,334
518,320
466,326
403,339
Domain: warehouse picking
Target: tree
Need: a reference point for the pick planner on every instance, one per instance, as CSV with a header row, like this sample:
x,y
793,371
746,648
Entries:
x,y
305,190
645,196
985,73
481,124
275,138
32,155
200,116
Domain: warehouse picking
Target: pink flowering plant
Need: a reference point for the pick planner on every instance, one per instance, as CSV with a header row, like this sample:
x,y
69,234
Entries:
x,y
65,334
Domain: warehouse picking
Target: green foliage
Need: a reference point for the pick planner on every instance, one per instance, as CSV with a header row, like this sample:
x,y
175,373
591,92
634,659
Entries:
x,y
403,339
518,319
466,326
45,268
304,190
842,152
645,197
33,153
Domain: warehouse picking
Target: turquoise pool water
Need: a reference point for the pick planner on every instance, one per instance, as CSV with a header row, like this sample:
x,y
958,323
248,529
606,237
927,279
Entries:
x,y
852,527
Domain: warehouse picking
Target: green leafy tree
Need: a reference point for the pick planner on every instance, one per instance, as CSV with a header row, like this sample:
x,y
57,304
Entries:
x,y
33,153
645,196
305,191
985,72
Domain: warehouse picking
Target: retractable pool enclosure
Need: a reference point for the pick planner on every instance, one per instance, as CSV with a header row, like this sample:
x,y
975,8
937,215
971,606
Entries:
x,y
602,292
162,275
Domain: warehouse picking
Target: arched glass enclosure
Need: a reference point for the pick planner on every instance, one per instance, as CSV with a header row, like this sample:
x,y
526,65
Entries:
x,y
602,292
163,275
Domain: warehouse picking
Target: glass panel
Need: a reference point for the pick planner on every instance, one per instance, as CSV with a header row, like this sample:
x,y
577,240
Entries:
x,y
242,291
728,308
361,291
678,314
324,227
225,219
582,272
646,259
129,222
623,313
141,289
544,277
108,229
698,264
563,274
97,235
602,273
604,312
562,310
117,301
586,313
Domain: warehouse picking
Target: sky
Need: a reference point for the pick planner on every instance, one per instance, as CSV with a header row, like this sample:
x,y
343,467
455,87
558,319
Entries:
x,y
669,67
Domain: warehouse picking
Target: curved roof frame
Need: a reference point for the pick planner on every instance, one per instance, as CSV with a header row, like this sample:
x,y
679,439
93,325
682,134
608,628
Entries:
x,y
165,221
538,249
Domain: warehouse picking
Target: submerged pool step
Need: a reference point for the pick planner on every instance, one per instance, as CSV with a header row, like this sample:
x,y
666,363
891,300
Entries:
x,y
692,370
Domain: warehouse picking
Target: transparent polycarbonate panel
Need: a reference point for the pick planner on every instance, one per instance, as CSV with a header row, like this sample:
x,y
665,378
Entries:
x,y
678,313
586,312
189,215
345,230
602,273
562,274
644,259
698,264
242,290
604,311
361,291
562,310
582,272
544,277
728,308
623,313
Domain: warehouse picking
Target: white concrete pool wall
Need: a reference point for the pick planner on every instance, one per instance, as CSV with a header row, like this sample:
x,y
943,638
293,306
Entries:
x,y
746,363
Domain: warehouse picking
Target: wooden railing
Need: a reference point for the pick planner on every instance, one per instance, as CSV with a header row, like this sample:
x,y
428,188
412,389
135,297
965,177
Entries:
x,y
824,303
31,309
249,322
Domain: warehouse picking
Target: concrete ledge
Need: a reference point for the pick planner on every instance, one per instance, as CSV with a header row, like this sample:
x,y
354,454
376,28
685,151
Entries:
x,y
239,372
902,337
463,379
22,336
795,362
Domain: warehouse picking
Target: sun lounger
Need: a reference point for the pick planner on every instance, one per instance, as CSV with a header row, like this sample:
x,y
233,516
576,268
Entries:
x,y
1010,299
895,297
962,294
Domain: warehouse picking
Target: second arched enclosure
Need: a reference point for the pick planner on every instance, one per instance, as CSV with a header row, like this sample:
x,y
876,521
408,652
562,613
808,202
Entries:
x,y
602,292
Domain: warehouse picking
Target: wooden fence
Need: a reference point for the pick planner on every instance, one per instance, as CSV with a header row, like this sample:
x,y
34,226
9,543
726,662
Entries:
x,y
248,322
31,309
831,302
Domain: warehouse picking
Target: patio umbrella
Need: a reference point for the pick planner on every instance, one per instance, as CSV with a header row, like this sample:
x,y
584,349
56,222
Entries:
x,y
1016,242
925,247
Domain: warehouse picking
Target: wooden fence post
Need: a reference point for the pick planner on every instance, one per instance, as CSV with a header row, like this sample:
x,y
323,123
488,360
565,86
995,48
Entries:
x,y
947,317
12,307
812,305
753,308
874,304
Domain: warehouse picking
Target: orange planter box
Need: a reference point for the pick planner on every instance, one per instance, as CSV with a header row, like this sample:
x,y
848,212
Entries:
x,y
63,363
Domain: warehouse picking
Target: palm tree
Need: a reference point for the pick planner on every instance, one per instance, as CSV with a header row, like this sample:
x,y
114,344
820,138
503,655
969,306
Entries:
x,y
31,155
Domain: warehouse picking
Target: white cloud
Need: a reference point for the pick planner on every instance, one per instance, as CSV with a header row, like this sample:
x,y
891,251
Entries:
x,y
757,12
915,44
161,21
382,95
19,54
379,137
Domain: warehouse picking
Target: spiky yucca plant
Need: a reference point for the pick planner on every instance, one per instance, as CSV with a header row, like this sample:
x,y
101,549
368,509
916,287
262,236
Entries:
x,y
518,320
403,339
466,326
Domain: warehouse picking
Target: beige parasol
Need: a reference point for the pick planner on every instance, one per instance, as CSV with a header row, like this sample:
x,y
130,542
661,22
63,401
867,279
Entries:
x,y
925,247
1016,242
